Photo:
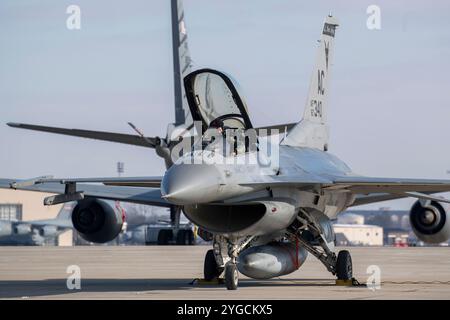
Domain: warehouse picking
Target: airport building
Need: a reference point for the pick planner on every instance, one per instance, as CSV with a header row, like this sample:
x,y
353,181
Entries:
x,y
11,211
358,235
16,205
396,226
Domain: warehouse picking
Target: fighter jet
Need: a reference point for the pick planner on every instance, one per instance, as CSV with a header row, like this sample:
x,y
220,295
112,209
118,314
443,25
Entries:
x,y
264,207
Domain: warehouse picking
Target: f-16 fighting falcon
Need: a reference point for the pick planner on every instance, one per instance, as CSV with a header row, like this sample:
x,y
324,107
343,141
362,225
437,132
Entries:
x,y
265,206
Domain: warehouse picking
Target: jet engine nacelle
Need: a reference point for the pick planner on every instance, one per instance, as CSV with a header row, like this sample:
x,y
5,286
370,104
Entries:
x,y
21,229
430,222
271,260
5,228
96,221
48,231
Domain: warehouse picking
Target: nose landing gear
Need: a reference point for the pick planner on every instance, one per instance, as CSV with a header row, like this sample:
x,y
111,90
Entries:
x,y
222,258
231,276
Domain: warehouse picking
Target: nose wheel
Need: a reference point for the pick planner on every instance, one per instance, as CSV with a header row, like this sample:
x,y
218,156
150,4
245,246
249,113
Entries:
x,y
231,276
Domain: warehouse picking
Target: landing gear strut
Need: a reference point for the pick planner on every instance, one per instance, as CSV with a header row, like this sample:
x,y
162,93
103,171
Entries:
x,y
223,257
235,246
340,266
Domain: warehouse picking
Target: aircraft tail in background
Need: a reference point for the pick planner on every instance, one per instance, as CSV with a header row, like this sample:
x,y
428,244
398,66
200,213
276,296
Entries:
x,y
182,66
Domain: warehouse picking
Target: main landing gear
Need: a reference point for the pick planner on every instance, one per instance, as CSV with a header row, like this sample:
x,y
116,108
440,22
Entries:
x,y
344,267
211,270
310,235
340,266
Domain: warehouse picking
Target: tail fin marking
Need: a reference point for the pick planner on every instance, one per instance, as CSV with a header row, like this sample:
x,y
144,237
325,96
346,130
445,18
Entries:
x,y
312,130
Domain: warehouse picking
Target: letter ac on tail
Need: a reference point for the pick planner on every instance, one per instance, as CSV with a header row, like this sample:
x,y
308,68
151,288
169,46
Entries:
x,y
312,130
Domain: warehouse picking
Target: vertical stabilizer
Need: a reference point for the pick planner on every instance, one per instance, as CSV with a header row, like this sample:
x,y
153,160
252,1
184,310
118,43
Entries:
x,y
181,63
312,130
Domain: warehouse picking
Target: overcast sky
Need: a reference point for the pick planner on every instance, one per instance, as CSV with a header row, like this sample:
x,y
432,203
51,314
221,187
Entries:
x,y
389,104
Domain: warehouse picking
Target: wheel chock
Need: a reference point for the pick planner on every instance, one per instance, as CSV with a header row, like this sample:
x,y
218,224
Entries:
x,y
340,282
348,282
214,282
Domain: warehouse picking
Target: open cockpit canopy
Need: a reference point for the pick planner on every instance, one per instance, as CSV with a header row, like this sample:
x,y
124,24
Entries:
x,y
213,96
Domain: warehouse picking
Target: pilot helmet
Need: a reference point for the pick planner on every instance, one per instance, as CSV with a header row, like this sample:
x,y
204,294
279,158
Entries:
x,y
217,123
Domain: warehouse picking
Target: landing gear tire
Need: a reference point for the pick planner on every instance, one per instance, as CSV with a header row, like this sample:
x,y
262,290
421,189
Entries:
x,y
190,238
210,269
185,237
181,237
231,276
344,268
164,236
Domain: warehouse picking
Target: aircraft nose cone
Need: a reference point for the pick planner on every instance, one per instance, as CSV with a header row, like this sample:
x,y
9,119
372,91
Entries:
x,y
191,184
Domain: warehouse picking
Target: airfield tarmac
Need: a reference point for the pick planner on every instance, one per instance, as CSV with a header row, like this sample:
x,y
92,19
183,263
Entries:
x,y
165,272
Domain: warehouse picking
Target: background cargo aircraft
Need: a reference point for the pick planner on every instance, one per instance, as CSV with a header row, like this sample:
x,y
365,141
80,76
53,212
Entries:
x,y
150,225
263,219
35,232
45,232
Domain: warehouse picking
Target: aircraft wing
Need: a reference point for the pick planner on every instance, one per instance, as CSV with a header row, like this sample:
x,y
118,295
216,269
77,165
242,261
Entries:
x,y
62,224
367,185
149,182
131,139
371,190
108,192
366,189
362,199
148,142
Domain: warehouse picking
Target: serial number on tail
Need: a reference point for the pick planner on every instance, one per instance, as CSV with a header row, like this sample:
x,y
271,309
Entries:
x,y
316,108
